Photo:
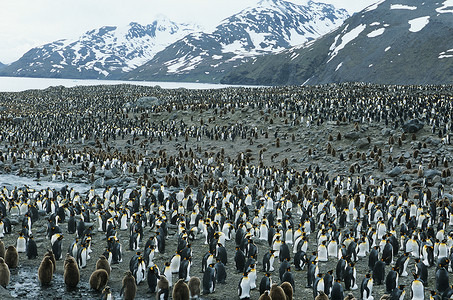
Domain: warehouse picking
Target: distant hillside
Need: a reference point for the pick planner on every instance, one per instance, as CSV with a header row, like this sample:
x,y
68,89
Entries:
x,y
270,27
391,42
109,51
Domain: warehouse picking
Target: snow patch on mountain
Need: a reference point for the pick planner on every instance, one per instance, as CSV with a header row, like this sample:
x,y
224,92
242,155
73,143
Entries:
x,y
418,24
402,6
447,7
376,32
347,38
446,54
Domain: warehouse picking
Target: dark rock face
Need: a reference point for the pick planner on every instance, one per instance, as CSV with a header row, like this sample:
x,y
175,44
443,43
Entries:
x,y
413,126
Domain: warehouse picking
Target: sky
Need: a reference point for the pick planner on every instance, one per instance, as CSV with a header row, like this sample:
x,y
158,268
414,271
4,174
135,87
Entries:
x,y
25,24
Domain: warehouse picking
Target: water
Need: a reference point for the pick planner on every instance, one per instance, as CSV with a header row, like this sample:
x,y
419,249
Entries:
x,y
18,84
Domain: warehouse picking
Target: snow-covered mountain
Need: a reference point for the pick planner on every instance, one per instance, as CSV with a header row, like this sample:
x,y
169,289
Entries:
x,y
270,27
105,52
391,41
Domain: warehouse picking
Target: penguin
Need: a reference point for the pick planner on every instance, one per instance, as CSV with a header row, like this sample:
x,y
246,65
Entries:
x,y
32,248
268,261
402,263
184,269
322,252
366,288
152,277
311,273
45,271
379,272
4,273
350,296
252,276
244,287
422,271
398,293
21,243
321,296
387,253
116,252
284,253
209,280
106,294
194,287
350,277
265,296
174,263
373,257
103,263
442,281
99,279
337,292
277,293
163,289
220,272
288,277
82,256
180,290
265,283
288,289
71,273
11,257
239,259
417,289
391,280
221,254
129,288
56,247
50,255
2,248
167,273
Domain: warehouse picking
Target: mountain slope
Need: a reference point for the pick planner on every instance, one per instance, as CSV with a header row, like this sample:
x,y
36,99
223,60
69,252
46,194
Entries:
x,y
271,27
107,51
393,41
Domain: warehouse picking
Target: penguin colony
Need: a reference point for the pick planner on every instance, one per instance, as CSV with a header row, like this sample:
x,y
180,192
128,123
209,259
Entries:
x,y
324,192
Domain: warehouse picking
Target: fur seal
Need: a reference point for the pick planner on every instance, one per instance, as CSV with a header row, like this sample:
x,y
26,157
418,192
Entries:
x,y
180,290
71,273
99,279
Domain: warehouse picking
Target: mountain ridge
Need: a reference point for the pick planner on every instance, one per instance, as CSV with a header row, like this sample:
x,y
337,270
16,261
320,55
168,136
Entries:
x,y
390,42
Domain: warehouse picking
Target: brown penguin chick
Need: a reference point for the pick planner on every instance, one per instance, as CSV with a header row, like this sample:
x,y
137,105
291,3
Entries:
x,y
99,279
180,290
50,254
4,273
106,293
129,287
162,288
288,289
321,296
349,297
11,257
71,273
194,287
277,293
2,249
103,263
45,271
265,296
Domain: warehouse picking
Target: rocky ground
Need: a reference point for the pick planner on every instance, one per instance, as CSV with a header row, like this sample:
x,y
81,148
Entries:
x,y
280,140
